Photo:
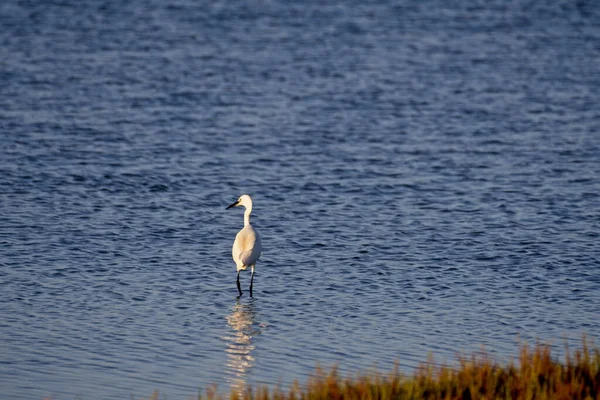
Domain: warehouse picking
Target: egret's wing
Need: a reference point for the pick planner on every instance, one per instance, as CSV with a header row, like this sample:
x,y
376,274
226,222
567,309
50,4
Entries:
x,y
247,240
246,257
252,256
248,246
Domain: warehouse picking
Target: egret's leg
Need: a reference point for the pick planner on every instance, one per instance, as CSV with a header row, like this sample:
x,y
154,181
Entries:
x,y
251,280
238,284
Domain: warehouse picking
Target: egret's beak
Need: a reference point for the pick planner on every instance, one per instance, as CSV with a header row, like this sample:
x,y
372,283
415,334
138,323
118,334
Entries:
x,y
232,205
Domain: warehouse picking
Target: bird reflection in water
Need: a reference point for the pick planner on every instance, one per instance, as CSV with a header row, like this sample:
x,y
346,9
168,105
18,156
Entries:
x,y
240,344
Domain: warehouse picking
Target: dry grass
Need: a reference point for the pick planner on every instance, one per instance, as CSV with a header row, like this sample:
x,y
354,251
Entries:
x,y
536,376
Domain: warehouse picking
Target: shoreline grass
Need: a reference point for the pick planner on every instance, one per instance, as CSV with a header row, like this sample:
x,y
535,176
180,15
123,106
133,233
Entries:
x,y
535,375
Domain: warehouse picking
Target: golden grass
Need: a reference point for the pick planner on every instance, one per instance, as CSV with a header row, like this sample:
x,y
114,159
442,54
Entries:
x,y
536,376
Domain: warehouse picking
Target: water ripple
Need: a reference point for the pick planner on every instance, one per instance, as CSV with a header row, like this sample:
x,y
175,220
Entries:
x,y
423,182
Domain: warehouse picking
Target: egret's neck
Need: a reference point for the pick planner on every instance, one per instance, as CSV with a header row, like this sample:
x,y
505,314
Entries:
x,y
247,216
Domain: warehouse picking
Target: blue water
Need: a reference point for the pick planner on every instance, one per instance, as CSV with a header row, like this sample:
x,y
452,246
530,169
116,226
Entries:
x,y
425,176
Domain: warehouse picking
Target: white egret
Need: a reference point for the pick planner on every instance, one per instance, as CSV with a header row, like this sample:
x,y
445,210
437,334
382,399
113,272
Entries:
x,y
246,247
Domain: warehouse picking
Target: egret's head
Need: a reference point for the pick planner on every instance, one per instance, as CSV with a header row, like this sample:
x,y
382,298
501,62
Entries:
x,y
244,200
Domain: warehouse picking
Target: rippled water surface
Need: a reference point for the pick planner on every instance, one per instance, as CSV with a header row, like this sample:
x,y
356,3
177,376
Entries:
x,y
425,175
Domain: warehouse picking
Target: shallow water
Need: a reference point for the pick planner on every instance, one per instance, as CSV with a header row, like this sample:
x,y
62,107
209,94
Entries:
x,y
425,178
